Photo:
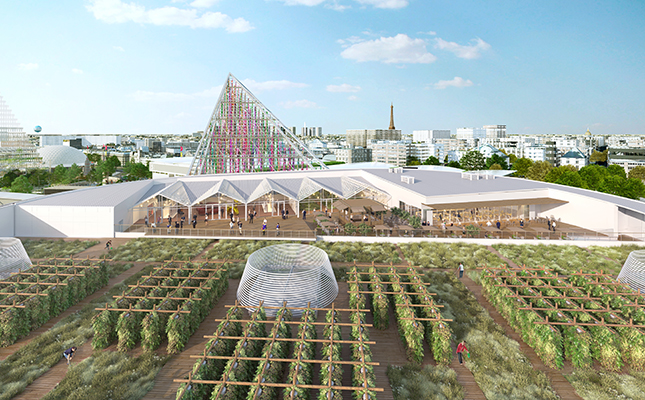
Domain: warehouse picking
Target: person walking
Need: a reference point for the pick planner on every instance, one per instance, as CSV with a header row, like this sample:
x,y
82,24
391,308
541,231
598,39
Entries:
x,y
69,354
194,223
230,224
461,348
553,225
461,270
251,217
264,228
304,214
108,245
277,229
146,221
206,219
287,214
548,223
239,226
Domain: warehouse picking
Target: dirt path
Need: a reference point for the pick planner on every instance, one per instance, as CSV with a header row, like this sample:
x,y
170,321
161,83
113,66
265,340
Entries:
x,y
179,365
558,382
99,250
403,260
498,254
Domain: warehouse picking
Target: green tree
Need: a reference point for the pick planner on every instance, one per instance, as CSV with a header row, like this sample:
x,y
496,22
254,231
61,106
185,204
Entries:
x,y
598,156
432,160
555,173
73,174
634,189
496,159
453,164
495,167
473,161
521,166
9,176
58,174
137,171
21,185
593,175
412,160
638,172
612,184
571,178
512,158
39,176
94,157
539,170
617,170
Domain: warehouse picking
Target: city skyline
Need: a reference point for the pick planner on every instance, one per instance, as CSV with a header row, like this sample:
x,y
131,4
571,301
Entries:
x,y
146,66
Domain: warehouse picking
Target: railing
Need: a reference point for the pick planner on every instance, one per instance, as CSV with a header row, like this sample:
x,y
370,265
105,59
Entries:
x,y
502,234
232,233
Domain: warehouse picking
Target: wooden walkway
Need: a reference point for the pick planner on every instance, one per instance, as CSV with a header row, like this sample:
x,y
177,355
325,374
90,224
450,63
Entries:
x,y
558,382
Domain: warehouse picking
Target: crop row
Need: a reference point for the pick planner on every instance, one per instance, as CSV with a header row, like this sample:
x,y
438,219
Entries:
x,y
170,304
44,292
560,319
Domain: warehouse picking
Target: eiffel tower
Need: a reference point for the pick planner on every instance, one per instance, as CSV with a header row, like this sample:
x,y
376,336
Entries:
x,y
244,136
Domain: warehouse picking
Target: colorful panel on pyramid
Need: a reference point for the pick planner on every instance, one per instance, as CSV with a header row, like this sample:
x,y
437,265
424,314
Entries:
x,y
244,136
16,151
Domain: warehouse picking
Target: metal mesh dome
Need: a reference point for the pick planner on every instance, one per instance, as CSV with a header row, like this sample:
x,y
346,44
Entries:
x,y
61,155
13,257
633,272
295,273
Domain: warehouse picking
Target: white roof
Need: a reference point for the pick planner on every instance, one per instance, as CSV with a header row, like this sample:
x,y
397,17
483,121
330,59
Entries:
x,y
54,156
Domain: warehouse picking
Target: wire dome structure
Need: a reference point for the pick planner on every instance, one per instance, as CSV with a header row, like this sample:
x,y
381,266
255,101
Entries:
x,y
295,273
13,257
633,272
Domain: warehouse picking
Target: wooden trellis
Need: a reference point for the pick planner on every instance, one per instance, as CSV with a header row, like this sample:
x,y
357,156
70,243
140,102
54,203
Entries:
x,y
273,339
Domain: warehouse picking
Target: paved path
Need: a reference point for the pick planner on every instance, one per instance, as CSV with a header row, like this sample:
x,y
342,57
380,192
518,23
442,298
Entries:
x,y
558,382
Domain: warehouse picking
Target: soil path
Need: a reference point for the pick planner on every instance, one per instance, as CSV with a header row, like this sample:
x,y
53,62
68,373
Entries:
x,y
498,254
202,256
99,250
180,364
558,382
403,260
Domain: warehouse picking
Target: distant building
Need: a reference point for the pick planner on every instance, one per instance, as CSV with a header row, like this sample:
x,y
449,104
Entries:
x,y
393,152
487,151
361,137
16,150
351,155
535,153
495,131
470,133
312,131
574,157
627,158
423,150
429,136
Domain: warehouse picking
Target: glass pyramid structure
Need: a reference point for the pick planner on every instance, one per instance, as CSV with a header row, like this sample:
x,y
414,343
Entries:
x,y
244,136
16,151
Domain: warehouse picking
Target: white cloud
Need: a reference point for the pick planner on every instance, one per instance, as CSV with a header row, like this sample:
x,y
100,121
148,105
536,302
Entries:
x,y
344,88
431,33
469,52
309,3
118,48
456,82
272,85
28,66
77,71
299,104
147,96
385,3
352,98
203,3
400,49
336,7
116,12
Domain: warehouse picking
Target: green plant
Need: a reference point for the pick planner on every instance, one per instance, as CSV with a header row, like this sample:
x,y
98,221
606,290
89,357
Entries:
x,y
412,381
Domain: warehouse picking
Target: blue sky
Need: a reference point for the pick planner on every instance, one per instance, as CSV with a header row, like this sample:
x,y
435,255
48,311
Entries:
x,y
157,66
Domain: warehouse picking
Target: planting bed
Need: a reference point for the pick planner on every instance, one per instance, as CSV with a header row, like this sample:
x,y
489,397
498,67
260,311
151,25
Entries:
x,y
579,317
256,358
563,259
169,303
417,315
412,381
616,253
31,297
448,255
56,248
159,250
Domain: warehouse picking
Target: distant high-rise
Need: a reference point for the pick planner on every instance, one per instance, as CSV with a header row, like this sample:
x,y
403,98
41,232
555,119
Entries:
x,y
16,151
244,136
430,136
495,131
361,137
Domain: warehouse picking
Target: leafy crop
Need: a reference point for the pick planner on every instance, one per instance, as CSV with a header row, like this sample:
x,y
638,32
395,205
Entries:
x,y
44,248
158,250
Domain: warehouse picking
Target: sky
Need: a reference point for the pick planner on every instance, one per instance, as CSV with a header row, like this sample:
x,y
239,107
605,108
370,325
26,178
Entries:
x,y
157,66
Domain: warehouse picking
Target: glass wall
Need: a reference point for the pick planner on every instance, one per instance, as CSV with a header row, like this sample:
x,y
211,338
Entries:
x,y
480,215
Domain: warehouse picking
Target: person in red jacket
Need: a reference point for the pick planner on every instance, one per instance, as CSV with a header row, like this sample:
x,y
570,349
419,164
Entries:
x,y
461,348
